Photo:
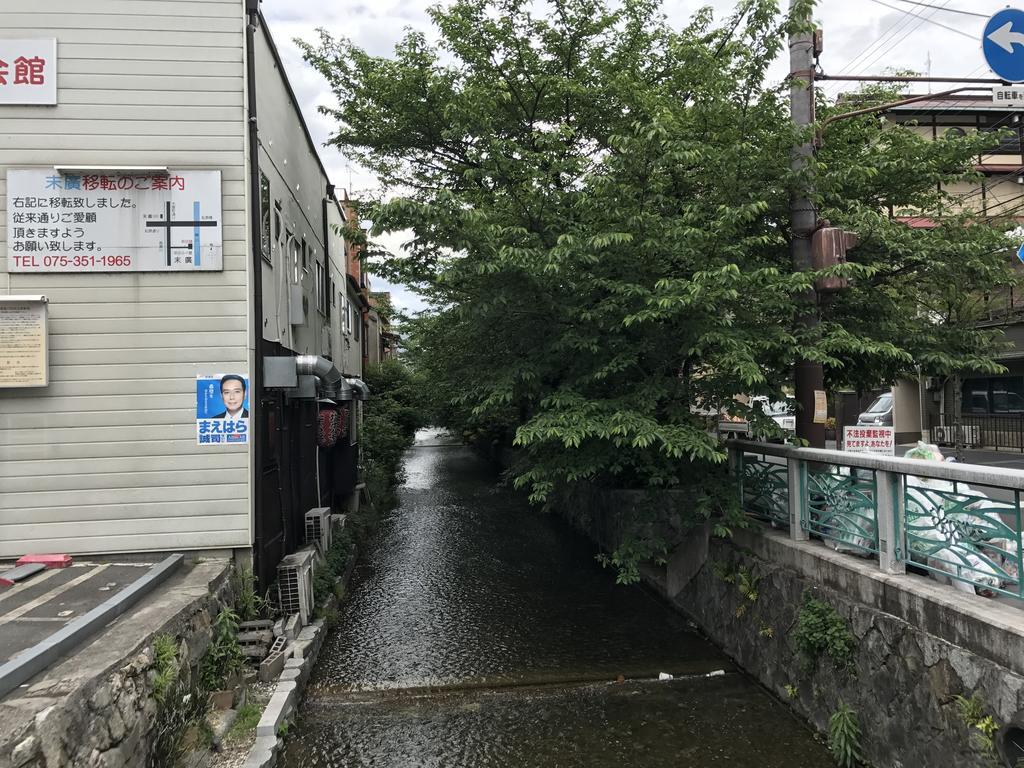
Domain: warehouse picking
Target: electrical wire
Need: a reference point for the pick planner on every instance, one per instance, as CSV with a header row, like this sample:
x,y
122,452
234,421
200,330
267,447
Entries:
x,y
940,8
930,21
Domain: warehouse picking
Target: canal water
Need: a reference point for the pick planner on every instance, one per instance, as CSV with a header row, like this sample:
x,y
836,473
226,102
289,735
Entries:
x,y
481,634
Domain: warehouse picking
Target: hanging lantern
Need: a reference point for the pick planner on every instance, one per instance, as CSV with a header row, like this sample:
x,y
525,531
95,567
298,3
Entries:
x,y
327,426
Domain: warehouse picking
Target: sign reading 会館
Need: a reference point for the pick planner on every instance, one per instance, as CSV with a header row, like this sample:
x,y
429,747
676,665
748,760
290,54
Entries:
x,y
870,440
28,71
165,221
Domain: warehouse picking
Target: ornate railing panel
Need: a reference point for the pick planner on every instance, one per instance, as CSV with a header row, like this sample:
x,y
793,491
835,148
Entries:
x,y
839,507
764,490
964,536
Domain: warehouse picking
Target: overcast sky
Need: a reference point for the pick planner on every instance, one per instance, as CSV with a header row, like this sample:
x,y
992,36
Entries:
x,y
861,37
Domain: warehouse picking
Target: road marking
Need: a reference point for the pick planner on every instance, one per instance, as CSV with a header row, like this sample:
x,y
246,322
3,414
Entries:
x,y
17,589
47,596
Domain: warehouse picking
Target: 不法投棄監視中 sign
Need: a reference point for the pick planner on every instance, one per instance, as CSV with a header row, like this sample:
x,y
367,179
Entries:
x,y
123,222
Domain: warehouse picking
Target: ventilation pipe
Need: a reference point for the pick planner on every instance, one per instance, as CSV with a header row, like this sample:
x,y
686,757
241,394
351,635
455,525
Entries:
x,y
332,382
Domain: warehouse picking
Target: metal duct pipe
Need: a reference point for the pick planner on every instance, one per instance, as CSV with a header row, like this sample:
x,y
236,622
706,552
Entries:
x,y
334,385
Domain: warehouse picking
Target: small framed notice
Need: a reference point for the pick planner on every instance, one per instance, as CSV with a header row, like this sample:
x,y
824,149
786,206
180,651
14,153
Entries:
x,y
24,349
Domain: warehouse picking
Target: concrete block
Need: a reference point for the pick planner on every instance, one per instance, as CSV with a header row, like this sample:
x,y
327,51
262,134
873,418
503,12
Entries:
x,y
275,712
290,674
263,753
293,663
286,686
300,649
271,667
292,626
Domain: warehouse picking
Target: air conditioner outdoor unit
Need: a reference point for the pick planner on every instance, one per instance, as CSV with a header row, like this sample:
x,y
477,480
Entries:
x,y
318,528
295,584
946,435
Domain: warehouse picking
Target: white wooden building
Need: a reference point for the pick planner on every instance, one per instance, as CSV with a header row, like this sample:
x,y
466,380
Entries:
x,y
106,457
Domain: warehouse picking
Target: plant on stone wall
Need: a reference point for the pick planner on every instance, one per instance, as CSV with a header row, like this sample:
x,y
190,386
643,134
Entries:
x,y
983,726
224,657
844,737
165,665
179,704
820,631
249,604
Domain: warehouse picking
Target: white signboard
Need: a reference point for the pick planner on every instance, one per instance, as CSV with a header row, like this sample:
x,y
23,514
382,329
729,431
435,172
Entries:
x,y
94,222
28,71
23,344
870,440
1008,95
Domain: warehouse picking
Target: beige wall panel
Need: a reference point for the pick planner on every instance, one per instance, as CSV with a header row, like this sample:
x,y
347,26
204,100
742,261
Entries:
x,y
20,454
41,500
90,513
102,435
105,459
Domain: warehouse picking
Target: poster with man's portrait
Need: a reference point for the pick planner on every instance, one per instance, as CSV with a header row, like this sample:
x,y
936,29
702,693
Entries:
x,y
222,409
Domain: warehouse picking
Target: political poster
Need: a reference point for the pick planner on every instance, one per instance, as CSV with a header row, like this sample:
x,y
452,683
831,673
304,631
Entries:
x,y
222,409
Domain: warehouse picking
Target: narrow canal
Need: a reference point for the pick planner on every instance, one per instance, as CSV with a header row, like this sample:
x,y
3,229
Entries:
x,y
481,634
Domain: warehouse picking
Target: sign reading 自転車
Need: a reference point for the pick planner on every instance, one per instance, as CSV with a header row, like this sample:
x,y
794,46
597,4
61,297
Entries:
x,y
870,440
28,71
93,222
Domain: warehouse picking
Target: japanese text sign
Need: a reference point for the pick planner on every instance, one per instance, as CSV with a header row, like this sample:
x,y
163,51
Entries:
x,y
222,409
870,440
28,71
23,343
92,222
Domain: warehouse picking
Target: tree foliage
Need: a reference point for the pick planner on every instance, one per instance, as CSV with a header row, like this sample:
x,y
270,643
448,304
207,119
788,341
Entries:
x,y
599,204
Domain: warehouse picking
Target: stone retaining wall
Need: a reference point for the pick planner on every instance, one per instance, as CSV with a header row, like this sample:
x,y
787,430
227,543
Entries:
x,y
107,720
918,645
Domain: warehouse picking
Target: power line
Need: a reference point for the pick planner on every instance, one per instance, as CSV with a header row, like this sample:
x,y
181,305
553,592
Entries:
x,y
903,28
947,10
930,21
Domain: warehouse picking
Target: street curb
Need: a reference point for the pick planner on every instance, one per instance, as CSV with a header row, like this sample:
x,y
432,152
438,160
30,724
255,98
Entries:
x,y
30,662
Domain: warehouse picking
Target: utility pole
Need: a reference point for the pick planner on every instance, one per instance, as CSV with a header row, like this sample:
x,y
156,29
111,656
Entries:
x,y
808,376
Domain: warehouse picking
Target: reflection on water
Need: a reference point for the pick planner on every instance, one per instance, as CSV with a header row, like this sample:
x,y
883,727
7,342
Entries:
x,y
506,611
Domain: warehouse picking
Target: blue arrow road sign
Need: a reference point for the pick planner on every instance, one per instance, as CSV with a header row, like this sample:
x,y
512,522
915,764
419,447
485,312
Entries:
x,y
1003,44
1020,253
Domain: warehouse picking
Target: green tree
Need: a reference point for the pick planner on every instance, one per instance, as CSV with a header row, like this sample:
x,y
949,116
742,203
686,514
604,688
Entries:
x,y
599,205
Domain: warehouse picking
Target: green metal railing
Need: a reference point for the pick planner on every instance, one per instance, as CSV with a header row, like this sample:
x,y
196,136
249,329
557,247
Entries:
x,y
961,524
764,490
838,506
965,536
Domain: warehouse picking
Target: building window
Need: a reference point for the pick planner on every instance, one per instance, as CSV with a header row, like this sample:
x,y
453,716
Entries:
x,y
277,226
305,256
993,395
294,245
321,297
265,239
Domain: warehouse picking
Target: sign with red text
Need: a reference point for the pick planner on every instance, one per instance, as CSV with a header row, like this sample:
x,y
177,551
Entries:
x,y
28,71
94,222
870,440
